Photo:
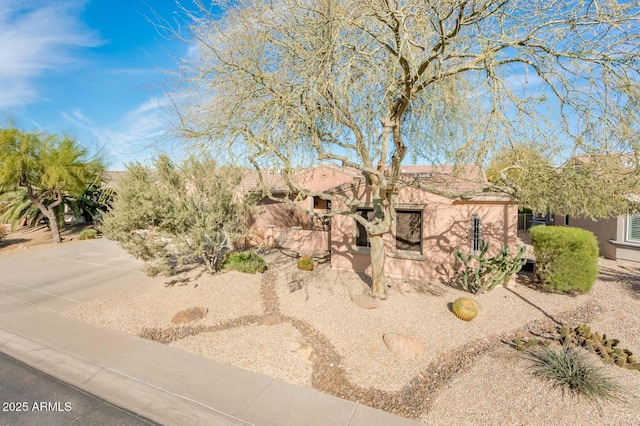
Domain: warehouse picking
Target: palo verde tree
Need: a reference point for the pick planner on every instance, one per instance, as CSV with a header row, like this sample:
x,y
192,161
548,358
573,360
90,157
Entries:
x,y
44,168
368,83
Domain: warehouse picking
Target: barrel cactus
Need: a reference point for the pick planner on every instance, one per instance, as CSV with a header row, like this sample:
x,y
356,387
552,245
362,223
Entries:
x,y
464,308
305,263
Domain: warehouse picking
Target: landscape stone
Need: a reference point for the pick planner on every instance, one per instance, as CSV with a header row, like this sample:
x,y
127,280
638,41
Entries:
x,y
403,346
305,352
365,301
189,315
294,346
295,286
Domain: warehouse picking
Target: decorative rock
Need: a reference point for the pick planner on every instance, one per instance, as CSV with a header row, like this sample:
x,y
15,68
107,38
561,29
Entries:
x,y
365,301
294,346
189,315
294,286
403,346
271,319
305,352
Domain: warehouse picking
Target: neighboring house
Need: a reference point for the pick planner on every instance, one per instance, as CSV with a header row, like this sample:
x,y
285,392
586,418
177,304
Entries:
x,y
618,237
432,221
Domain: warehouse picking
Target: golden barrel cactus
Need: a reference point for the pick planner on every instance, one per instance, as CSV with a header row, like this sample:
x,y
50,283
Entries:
x,y
464,308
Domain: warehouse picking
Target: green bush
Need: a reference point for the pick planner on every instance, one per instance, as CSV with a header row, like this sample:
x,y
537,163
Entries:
x,y
186,212
566,258
570,370
88,234
247,262
305,263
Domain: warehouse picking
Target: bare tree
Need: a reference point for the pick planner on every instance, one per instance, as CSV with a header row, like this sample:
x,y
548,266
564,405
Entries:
x,y
364,83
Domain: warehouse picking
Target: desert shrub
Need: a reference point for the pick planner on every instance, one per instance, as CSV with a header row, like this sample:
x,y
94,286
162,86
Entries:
x,y
248,262
479,272
179,212
566,258
159,267
572,372
88,234
305,263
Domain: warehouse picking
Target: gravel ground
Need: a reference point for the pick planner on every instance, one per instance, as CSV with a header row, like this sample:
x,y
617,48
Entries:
x,y
262,349
318,337
154,302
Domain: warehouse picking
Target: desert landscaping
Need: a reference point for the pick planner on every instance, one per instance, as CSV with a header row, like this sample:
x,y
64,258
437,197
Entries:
x,y
320,329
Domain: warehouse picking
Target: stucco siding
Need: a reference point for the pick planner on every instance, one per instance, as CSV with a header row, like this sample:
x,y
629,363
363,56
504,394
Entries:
x,y
446,226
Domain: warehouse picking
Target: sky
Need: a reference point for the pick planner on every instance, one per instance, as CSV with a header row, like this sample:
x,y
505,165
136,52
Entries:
x,y
93,69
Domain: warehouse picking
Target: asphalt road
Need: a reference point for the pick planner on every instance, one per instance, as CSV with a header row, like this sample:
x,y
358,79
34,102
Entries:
x,y
30,397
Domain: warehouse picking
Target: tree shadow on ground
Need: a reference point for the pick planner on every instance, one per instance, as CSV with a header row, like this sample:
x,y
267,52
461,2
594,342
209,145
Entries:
x,y
12,242
628,276
524,299
182,277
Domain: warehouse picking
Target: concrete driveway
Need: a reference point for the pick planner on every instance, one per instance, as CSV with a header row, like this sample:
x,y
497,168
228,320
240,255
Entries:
x,y
62,277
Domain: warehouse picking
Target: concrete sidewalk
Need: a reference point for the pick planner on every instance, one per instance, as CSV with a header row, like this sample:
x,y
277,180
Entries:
x,y
159,382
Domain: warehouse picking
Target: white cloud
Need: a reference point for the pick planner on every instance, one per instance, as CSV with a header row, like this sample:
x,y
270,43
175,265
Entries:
x,y
141,131
36,37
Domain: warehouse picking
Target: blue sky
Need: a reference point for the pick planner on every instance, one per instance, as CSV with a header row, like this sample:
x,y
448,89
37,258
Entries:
x,y
93,69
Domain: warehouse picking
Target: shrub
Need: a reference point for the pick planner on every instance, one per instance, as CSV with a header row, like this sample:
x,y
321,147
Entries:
x,y
88,234
247,262
566,258
571,371
158,267
187,212
3,233
305,263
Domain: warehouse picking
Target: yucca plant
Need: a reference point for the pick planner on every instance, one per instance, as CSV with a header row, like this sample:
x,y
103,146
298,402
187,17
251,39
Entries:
x,y
571,371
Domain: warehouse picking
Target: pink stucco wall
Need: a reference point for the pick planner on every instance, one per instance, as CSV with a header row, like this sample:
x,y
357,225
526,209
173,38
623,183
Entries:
x,y
446,227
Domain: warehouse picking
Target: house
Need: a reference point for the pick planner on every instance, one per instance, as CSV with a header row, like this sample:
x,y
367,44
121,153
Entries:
x,y
432,220
277,224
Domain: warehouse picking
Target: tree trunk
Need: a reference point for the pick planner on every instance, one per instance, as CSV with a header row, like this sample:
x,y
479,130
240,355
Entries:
x,y
53,224
379,285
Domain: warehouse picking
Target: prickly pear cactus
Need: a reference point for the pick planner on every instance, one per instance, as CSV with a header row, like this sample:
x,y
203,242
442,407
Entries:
x,y
464,308
582,336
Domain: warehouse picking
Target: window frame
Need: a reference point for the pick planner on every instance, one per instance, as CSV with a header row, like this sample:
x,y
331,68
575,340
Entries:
x,y
476,234
395,233
629,225
359,226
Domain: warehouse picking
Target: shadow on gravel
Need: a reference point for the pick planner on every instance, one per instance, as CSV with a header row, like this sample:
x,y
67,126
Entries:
x,y
12,242
629,276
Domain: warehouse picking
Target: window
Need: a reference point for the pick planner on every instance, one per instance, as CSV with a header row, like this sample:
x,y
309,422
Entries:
x,y
633,227
409,231
362,239
476,233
